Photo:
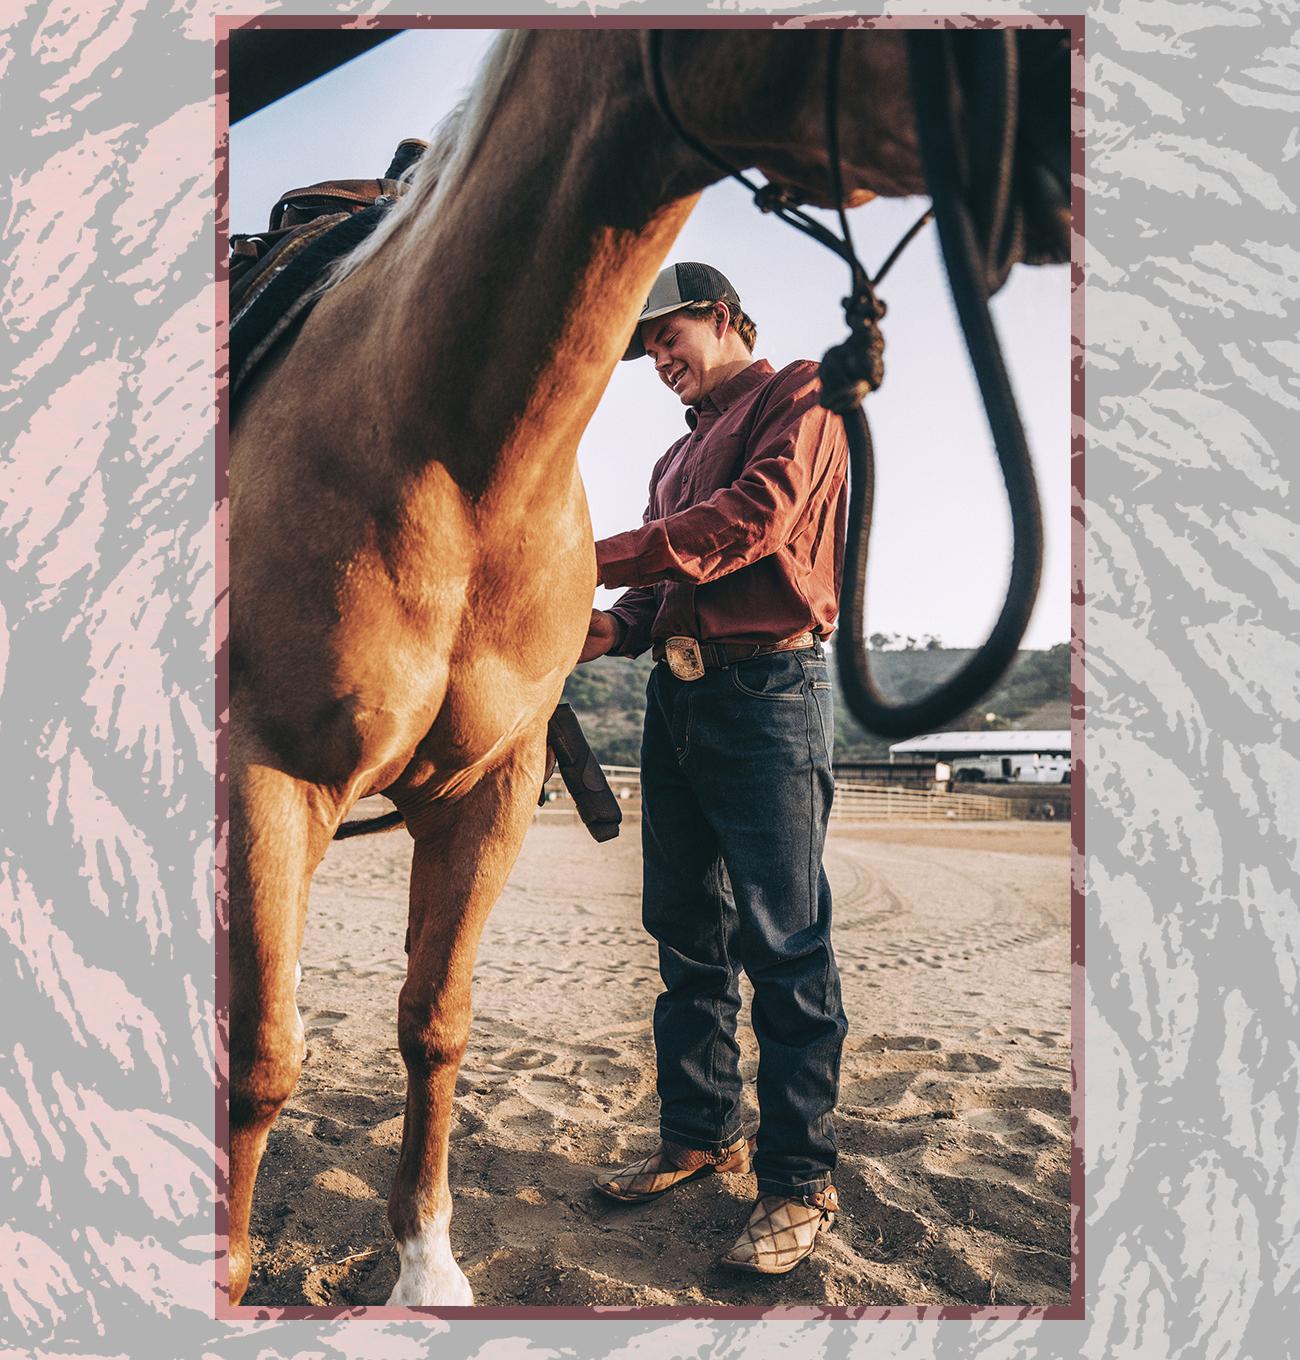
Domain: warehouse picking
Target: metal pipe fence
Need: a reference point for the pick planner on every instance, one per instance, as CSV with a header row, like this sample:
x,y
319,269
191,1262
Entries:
x,y
853,802
884,803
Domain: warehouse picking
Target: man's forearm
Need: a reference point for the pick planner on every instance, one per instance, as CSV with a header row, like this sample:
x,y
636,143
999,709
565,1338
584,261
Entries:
x,y
698,545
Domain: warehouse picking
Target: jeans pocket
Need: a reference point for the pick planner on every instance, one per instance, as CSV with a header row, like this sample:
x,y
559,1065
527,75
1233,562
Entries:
x,y
817,672
778,676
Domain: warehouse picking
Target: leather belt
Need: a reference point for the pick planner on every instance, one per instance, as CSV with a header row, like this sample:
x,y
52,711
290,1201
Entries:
x,y
688,658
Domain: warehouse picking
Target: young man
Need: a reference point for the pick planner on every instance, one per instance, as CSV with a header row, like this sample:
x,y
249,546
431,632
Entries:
x,y
734,580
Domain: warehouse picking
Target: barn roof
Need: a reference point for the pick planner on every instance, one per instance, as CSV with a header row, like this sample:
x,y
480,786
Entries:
x,y
985,744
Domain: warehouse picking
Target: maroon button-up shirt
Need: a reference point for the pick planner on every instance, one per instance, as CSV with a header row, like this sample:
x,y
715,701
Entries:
x,y
743,538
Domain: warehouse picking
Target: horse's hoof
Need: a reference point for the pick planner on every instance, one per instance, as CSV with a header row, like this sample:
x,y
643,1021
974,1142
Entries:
x,y
449,1294
430,1277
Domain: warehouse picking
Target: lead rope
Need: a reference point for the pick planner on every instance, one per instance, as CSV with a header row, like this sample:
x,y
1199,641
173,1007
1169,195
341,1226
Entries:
x,y
855,367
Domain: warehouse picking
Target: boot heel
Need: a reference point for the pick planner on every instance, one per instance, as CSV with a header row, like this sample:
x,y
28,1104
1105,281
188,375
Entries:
x,y
738,1162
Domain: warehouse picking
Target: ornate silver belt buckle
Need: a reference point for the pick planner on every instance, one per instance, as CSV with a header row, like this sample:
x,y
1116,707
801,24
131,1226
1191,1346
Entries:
x,y
683,657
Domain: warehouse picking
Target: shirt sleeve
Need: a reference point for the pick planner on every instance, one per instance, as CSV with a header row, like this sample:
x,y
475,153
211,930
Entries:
x,y
635,609
795,447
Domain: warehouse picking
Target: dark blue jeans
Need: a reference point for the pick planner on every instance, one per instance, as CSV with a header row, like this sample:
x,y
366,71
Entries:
x,y
736,786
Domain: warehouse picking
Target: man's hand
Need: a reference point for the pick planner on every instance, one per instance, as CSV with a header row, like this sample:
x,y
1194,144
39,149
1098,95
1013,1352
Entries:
x,y
602,634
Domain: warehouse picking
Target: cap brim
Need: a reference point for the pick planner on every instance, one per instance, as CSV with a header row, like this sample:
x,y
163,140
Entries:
x,y
635,349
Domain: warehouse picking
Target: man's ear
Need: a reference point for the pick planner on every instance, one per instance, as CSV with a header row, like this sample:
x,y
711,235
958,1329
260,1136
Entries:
x,y
721,318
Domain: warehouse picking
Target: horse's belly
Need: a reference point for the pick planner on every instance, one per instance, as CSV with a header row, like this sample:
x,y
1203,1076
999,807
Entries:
x,y
487,712
422,655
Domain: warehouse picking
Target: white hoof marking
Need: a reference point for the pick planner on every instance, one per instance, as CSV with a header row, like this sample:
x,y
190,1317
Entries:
x,y
430,1276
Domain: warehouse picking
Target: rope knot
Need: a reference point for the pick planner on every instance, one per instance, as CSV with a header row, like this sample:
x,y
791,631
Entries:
x,y
855,367
852,369
771,197
863,308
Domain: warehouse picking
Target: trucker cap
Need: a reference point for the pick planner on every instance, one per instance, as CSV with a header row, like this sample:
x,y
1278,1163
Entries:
x,y
678,286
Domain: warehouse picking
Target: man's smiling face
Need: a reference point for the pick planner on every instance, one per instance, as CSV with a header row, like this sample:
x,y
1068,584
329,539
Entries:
x,y
687,351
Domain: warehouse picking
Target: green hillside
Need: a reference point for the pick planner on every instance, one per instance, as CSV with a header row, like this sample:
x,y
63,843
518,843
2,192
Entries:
x,y
609,697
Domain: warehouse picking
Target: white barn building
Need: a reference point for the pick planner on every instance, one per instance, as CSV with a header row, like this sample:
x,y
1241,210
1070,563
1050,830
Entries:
x,y
1014,757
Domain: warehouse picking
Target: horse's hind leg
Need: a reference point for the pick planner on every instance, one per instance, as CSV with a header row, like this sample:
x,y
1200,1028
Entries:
x,y
464,852
272,851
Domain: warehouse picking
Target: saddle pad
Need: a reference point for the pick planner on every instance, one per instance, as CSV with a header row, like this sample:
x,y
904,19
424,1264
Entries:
x,y
279,293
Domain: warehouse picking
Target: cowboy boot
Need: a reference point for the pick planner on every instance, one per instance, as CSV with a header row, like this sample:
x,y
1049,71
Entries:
x,y
668,1165
782,1231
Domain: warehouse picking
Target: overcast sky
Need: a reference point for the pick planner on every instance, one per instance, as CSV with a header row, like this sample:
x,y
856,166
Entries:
x,y
940,545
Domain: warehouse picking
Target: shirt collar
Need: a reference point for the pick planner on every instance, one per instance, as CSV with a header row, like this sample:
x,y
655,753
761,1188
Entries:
x,y
726,393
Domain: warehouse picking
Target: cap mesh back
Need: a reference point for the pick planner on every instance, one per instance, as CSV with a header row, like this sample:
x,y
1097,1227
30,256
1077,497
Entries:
x,y
702,283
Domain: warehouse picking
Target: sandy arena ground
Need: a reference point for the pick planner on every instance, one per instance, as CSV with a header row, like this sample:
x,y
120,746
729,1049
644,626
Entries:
x,y
953,943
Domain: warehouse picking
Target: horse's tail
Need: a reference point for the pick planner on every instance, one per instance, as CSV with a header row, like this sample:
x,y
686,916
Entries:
x,y
368,826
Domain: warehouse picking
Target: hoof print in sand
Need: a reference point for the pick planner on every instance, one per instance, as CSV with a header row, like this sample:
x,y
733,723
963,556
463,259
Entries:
x,y
920,1052
904,1043
522,1059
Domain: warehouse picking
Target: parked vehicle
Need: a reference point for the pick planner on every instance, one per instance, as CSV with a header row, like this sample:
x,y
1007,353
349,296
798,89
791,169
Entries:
x,y
1015,769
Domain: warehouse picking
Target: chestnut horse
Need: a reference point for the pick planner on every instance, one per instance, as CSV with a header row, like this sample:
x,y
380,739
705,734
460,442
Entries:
x,y
412,566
